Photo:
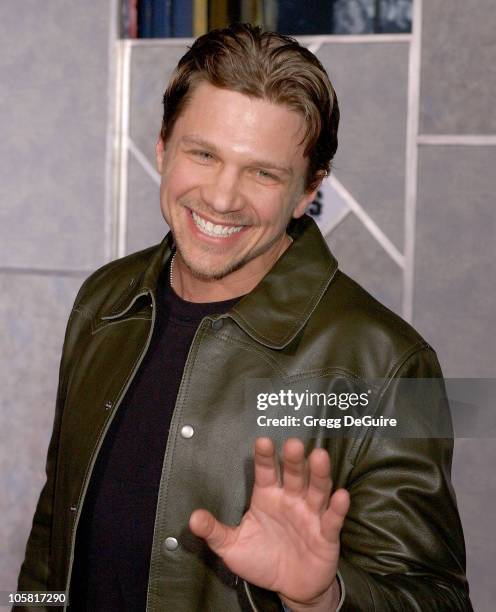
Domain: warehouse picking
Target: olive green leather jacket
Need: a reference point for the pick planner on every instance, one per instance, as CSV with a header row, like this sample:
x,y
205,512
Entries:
x,y
402,542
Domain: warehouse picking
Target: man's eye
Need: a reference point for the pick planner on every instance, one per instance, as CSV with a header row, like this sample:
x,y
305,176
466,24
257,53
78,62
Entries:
x,y
203,155
265,176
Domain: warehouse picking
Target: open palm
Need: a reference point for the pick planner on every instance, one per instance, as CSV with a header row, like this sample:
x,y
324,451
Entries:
x,y
288,540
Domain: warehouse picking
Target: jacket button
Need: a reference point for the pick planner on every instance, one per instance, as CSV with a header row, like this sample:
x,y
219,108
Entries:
x,y
217,324
170,544
187,431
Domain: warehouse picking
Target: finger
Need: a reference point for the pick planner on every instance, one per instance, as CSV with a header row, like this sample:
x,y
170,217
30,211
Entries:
x,y
320,483
293,478
266,472
217,535
333,518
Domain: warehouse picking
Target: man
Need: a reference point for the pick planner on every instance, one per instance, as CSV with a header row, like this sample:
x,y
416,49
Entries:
x,y
151,501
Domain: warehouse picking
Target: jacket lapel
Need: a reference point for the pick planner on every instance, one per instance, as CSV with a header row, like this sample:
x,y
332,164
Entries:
x,y
280,305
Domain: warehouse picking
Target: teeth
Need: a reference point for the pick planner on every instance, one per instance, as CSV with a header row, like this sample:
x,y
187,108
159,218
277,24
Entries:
x,y
211,229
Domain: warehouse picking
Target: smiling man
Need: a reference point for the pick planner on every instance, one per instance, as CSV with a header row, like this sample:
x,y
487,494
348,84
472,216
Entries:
x,y
233,175
160,494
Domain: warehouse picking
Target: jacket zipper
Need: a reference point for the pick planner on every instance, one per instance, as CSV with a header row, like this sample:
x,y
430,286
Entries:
x,y
102,438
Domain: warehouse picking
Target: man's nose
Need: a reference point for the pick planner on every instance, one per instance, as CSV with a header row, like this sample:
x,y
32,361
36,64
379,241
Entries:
x,y
222,192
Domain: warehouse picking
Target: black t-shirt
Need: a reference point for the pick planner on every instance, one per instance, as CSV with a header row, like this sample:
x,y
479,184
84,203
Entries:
x,y
115,532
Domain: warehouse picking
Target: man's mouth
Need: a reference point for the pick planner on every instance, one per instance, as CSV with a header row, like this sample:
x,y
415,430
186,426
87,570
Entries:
x,y
214,230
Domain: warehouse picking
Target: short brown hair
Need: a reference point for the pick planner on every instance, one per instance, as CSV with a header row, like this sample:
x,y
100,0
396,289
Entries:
x,y
265,65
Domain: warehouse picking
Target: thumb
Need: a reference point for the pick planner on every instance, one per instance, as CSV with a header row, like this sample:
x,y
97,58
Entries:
x,y
217,535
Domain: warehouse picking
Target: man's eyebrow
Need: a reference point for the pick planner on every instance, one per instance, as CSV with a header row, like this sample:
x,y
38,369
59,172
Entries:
x,y
263,163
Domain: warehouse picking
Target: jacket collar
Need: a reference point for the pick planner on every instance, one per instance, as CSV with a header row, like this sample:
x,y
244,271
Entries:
x,y
146,280
280,305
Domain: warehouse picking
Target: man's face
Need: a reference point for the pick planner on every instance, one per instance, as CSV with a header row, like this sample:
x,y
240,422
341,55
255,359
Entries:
x,y
233,175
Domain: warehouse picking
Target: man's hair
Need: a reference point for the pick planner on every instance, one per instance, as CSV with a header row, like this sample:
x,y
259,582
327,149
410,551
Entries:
x,y
265,65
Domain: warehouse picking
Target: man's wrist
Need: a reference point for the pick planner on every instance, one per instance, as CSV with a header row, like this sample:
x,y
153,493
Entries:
x,y
326,602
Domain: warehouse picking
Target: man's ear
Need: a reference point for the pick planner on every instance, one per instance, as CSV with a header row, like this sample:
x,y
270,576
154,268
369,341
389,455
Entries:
x,y
159,153
308,197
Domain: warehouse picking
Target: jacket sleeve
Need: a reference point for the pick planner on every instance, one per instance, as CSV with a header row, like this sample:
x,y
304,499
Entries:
x,y
402,541
34,572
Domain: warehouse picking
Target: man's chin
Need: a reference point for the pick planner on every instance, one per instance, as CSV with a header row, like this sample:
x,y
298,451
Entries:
x,y
212,273
215,271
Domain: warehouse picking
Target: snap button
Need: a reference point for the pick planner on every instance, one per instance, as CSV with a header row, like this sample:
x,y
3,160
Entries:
x,y
217,324
171,544
187,431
